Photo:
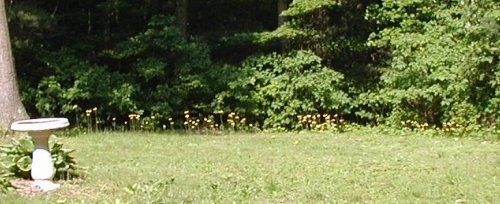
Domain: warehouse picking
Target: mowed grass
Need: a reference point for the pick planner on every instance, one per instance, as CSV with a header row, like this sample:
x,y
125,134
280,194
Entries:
x,y
279,168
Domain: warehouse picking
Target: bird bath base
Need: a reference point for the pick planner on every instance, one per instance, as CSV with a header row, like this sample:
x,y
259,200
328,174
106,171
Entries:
x,y
42,167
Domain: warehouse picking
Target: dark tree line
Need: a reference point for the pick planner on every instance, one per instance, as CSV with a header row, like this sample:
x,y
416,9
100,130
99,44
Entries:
x,y
372,61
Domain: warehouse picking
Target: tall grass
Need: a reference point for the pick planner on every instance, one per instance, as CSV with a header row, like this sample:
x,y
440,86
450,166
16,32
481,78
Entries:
x,y
280,168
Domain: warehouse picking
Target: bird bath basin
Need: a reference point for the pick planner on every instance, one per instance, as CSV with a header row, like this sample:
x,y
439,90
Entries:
x,y
42,167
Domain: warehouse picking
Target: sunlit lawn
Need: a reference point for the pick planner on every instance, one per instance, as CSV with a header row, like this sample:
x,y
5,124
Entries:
x,y
280,168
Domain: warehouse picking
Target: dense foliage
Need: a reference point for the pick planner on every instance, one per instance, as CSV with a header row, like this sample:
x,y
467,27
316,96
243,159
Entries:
x,y
442,61
156,70
276,88
371,61
16,159
5,185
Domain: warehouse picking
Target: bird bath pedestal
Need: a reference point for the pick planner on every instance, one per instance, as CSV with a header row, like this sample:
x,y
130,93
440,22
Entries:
x,y
42,167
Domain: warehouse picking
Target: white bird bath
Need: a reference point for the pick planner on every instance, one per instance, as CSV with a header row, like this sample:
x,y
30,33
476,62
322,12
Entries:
x,y
42,167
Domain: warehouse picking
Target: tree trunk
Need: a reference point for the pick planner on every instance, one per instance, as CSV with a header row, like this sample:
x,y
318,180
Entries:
x,y
11,107
182,16
282,5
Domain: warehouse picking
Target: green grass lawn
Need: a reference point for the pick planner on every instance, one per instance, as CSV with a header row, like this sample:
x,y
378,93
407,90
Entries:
x,y
279,168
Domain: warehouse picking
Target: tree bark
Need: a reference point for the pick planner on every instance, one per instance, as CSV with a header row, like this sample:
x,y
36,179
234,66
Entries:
x,y
282,5
11,107
182,16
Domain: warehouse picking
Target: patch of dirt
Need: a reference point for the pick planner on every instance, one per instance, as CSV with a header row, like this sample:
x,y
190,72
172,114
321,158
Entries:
x,y
68,189
24,187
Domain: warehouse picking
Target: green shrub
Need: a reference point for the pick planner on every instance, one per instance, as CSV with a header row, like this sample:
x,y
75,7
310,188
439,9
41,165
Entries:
x,y
442,62
5,185
275,88
16,158
159,72
166,73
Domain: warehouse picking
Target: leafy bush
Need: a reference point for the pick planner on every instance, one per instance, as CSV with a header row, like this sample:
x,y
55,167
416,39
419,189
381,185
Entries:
x,y
77,81
64,163
443,63
167,71
5,185
16,158
159,71
275,88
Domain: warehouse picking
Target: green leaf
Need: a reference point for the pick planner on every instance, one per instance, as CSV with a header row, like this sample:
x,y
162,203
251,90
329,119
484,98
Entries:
x,y
8,161
25,145
24,163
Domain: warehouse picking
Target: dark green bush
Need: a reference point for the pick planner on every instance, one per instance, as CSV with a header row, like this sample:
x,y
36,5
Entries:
x,y
157,71
443,63
275,88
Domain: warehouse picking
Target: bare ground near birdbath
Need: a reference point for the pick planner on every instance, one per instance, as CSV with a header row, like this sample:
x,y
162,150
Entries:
x,y
69,189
